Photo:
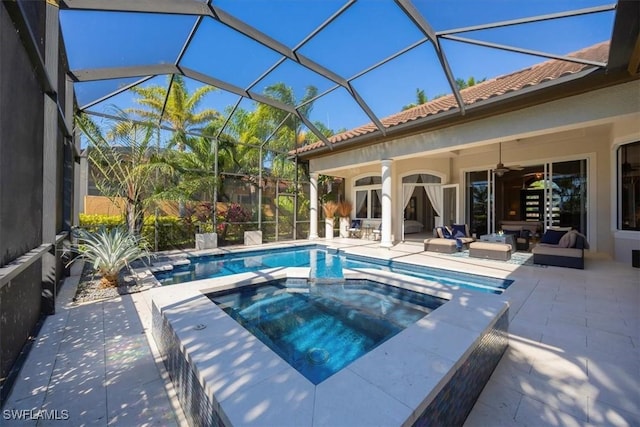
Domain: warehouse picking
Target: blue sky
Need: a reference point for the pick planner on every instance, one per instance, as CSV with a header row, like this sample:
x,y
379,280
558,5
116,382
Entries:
x,y
368,32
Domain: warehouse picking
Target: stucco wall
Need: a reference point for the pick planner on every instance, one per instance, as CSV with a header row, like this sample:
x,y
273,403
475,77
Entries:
x,y
583,126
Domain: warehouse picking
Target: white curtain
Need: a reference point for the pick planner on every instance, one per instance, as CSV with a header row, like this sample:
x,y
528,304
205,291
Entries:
x,y
435,197
408,191
361,200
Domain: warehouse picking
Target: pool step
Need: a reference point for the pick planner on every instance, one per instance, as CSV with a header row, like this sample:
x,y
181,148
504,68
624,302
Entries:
x,y
169,265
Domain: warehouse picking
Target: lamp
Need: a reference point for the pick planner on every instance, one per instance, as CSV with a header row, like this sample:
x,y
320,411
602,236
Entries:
x,y
512,212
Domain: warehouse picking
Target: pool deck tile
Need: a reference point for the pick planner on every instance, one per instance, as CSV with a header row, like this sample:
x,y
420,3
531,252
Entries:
x,y
539,381
404,371
287,389
369,405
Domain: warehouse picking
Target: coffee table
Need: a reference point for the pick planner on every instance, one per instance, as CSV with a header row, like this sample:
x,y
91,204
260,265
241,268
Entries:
x,y
500,238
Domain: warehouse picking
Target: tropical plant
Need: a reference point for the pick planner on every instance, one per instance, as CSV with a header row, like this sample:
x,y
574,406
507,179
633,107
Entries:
x,y
232,221
344,208
471,81
329,208
180,110
120,159
421,98
290,134
109,251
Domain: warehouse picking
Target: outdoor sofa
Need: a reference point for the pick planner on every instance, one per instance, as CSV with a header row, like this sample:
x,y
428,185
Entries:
x,y
449,239
561,249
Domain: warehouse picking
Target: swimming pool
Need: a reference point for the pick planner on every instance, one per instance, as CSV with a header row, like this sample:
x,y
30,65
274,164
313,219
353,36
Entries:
x,y
324,263
319,327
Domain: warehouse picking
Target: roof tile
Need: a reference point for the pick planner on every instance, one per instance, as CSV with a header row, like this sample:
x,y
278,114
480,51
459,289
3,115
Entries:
x,y
534,75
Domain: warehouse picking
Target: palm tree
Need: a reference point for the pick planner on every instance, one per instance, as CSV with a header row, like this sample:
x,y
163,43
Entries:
x,y
121,166
290,133
181,110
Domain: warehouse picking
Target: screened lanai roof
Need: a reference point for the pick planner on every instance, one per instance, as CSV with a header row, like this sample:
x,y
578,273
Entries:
x,y
367,60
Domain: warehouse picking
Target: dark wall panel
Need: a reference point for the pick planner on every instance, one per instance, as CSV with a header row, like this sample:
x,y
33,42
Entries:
x,y
34,11
20,308
21,133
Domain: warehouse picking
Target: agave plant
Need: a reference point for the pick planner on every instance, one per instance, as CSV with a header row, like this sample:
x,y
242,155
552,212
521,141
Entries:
x,y
109,251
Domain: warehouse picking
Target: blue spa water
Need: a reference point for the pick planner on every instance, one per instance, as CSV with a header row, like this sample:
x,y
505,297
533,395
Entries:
x,y
319,328
324,264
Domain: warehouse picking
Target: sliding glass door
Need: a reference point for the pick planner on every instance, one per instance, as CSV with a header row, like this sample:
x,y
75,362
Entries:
x,y
477,206
568,195
551,194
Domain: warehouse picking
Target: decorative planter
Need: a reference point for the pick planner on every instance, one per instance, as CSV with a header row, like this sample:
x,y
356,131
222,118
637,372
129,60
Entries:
x,y
328,228
345,222
252,238
206,241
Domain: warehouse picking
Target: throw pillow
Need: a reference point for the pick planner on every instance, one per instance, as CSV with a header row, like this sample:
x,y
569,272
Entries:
x,y
565,240
459,228
446,233
581,241
552,237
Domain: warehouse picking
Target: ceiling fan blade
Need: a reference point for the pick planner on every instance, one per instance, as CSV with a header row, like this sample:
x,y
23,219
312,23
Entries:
x,y
516,168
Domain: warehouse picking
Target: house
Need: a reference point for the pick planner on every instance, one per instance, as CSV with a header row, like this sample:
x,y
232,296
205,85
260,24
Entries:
x,y
557,143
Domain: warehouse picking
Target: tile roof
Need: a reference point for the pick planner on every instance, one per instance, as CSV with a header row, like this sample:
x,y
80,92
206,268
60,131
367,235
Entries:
x,y
536,74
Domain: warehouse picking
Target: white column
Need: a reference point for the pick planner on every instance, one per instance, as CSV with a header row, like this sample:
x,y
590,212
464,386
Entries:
x,y
385,239
313,206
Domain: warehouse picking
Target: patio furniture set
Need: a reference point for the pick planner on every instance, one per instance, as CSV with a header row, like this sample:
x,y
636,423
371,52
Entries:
x,y
557,247
365,230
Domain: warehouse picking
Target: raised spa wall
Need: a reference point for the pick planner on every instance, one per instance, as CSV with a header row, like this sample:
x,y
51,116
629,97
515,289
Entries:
x,y
429,374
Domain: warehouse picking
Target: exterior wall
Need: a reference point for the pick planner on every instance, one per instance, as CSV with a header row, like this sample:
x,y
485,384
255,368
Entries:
x,y
583,126
20,188
35,174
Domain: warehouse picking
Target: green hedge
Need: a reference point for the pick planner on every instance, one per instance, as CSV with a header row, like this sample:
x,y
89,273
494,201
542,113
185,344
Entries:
x,y
173,232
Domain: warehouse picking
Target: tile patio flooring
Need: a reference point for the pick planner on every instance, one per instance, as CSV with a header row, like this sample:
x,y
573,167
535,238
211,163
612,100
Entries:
x,y
573,357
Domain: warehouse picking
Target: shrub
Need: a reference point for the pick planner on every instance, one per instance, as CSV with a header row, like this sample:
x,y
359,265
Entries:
x,y
173,231
95,222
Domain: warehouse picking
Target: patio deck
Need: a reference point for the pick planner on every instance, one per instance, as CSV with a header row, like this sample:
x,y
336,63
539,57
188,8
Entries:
x,y
573,357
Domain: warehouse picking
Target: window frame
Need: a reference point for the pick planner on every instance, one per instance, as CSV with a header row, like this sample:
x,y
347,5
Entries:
x,y
619,208
369,189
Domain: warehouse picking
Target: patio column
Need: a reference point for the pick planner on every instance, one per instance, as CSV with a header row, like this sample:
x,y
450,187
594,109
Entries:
x,y
313,203
385,232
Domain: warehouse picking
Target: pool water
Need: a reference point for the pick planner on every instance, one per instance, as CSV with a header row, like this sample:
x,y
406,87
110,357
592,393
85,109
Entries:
x,y
321,327
324,264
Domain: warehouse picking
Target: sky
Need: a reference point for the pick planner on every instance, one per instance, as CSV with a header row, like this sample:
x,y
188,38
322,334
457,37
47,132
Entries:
x,y
367,33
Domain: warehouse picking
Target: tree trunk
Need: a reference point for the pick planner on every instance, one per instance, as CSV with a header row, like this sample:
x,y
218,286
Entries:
x,y
109,280
135,218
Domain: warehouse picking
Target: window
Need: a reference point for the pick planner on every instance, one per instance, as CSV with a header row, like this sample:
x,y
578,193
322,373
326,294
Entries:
x,y
368,196
628,160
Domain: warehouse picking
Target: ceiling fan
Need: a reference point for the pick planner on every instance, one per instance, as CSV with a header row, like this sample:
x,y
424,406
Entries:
x,y
500,168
